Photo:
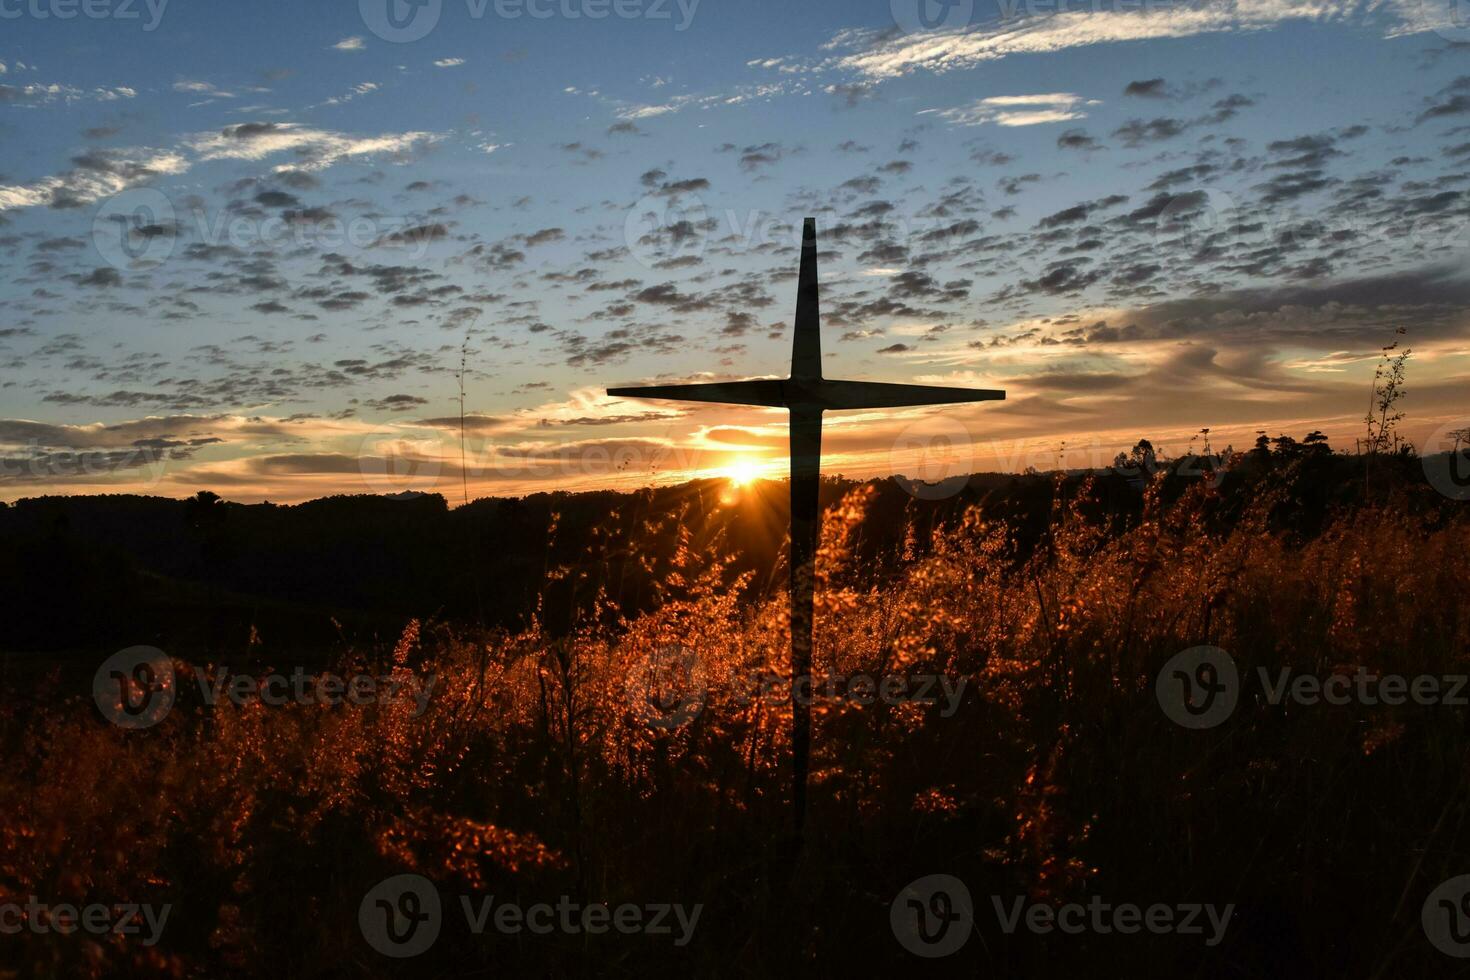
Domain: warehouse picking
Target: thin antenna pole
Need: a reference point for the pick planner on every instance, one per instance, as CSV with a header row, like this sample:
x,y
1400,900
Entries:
x,y
464,350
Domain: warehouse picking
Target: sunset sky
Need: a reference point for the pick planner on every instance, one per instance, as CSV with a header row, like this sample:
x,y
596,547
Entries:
x,y
245,244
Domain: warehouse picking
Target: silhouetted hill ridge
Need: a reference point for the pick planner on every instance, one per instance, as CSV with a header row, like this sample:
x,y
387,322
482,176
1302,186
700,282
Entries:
x,y
117,569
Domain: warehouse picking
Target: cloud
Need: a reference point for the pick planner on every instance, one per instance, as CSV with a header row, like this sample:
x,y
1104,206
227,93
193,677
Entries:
x,y
199,88
314,149
101,173
760,155
96,175
890,57
350,44
363,88
739,95
1017,110
852,93
1077,139
34,94
60,454
1148,88
1136,132
448,62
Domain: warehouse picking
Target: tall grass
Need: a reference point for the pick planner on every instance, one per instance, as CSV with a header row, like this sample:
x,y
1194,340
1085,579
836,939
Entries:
x,y
536,772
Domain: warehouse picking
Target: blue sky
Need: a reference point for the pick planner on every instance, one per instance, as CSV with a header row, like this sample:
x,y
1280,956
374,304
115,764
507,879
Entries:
x,y
245,246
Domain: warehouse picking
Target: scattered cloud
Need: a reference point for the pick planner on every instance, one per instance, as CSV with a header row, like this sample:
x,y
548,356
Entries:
x,y
312,149
886,56
1017,110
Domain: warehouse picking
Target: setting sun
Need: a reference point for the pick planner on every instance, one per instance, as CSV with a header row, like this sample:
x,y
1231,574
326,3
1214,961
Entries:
x,y
741,470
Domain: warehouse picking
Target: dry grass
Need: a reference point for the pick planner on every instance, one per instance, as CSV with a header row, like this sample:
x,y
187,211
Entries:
x,y
535,773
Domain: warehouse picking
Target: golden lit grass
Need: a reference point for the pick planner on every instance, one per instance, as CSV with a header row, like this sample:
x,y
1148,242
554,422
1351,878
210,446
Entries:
x,y
535,771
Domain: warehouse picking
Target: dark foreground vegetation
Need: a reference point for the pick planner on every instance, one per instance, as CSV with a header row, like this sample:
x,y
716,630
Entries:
x,y
537,770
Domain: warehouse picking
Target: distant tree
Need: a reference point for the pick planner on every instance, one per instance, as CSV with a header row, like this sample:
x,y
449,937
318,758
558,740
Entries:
x,y
1141,463
1286,447
205,515
1316,443
202,508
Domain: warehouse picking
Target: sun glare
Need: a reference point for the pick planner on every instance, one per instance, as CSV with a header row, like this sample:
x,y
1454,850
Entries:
x,y
741,471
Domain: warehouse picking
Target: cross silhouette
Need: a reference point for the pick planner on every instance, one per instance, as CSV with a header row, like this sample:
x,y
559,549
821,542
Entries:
x,y
806,394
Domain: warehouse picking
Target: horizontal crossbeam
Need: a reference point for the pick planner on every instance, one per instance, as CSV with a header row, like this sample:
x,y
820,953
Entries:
x,y
813,395
763,393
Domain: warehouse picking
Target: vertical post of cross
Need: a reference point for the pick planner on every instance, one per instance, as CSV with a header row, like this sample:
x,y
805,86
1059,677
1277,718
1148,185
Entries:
x,y
806,511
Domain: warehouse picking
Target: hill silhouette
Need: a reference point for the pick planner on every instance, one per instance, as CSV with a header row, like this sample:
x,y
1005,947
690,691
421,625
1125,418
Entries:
x,y
217,577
